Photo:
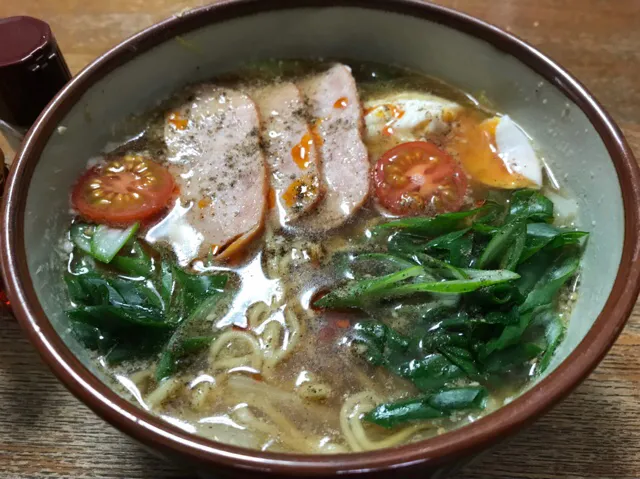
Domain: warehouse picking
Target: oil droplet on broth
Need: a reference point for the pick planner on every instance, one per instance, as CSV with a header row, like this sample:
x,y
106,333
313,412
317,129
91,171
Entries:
x,y
301,152
178,122
298,191
204,202
341,103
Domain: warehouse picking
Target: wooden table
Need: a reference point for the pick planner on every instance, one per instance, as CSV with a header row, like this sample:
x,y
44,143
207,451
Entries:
x,y
45,432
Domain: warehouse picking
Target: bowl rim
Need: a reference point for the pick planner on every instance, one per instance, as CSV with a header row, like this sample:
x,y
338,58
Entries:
x,y
172,441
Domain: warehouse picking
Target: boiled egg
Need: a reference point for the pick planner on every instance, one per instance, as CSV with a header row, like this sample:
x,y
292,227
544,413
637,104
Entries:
x,y
407,116
495,152
403,117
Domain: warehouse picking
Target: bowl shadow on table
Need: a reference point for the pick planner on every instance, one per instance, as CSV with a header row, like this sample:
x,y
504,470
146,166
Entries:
x,y
580,438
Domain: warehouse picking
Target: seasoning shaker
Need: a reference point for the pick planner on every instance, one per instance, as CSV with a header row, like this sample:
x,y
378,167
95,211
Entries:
x,y
32,71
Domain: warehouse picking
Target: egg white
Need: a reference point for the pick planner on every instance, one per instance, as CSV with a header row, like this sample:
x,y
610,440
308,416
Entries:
x,y
516,152
423,115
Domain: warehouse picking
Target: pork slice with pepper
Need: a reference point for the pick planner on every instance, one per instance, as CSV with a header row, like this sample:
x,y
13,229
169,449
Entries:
x,y
333,103
290,150
213,144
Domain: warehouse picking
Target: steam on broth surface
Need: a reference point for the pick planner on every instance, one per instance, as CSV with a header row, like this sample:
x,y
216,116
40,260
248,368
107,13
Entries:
x,y
314,258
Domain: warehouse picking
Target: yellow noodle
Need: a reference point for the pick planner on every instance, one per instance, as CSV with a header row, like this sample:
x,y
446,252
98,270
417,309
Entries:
x,y
204,389
283,423
243,415
394,440
285,432
164,391
245,387
272,262
356,436
235,434
284,262
347,410
141,378
271,337
248,361
269,330
293,334
278,340
253,359
332,448
256,314
201,395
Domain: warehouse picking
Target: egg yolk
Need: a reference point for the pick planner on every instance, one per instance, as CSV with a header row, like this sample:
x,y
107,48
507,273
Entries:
x,y
474,144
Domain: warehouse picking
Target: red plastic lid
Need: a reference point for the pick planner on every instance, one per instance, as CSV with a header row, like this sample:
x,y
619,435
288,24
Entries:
x,y
32,69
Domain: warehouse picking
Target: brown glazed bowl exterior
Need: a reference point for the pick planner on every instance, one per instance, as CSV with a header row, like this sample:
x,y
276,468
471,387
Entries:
x,y
436,457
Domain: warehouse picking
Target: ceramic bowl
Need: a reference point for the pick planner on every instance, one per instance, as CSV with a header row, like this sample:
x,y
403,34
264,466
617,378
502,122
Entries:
x,y
572,131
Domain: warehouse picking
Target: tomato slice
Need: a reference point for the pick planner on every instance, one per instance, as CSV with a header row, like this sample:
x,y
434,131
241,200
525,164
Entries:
x,y
419,178
125,190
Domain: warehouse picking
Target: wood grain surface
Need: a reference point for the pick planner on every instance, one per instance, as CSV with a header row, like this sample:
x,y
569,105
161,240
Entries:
x,y
45,432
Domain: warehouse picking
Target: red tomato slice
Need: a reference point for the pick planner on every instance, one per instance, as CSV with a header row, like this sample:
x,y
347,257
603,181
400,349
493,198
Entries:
x,y
125,190
419,178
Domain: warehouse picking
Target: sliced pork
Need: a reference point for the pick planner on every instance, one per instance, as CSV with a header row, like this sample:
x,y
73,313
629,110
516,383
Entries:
x,y
290,150
332,100
214,154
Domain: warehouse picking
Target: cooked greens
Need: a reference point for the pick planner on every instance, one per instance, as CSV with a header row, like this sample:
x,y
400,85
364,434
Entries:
x,y
102,242
138,305
431,406
502,265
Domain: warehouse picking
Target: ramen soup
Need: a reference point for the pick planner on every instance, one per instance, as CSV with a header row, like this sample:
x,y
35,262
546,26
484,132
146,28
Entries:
x,y
315,257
